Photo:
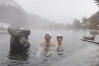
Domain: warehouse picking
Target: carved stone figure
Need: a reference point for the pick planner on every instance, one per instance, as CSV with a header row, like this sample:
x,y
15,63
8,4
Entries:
x,y
19,39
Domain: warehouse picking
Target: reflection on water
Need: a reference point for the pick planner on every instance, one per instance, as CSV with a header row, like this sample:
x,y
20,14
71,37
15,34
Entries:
x,y
72,44
17,59
22,56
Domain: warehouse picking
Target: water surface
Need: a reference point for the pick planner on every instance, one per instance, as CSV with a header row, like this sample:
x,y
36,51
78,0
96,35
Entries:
x,y
72,44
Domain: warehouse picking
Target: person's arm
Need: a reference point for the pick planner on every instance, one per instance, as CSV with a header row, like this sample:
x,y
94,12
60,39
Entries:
x,y
54,44
40,50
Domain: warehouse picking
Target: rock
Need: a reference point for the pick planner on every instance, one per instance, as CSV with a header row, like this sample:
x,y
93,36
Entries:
x,y
89,38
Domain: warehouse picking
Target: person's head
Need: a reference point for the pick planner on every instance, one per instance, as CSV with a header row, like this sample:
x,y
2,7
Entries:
x,y
47,37
59,39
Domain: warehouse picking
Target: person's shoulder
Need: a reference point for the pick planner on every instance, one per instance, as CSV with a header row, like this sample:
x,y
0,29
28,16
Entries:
x,y
42,42
52,43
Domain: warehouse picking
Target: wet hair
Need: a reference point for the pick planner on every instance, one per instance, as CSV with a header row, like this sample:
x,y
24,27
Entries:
x,y
59,37
48,35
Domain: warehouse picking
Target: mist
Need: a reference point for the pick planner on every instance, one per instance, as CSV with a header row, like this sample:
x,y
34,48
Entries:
x,y
47,14
60,11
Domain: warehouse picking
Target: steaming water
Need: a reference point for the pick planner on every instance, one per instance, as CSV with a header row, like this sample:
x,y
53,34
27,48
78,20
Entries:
x,y
72,44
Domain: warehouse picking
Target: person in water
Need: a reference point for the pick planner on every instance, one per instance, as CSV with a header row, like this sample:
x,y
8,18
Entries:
x,y
46,45
60,44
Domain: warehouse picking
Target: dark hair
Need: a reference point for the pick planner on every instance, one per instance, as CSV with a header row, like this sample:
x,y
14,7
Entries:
x,y
60,37
48,34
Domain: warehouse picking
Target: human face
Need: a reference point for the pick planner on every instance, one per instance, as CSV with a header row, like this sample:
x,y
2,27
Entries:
x,y
59,39
47,37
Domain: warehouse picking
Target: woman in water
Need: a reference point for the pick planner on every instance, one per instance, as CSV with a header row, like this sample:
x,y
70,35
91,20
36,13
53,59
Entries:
x,y
60,44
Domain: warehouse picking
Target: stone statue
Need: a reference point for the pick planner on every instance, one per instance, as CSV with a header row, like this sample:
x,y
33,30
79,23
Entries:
x,y
19,39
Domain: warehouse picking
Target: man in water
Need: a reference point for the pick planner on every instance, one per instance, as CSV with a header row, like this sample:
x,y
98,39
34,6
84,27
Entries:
x,y
46,45
60,44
